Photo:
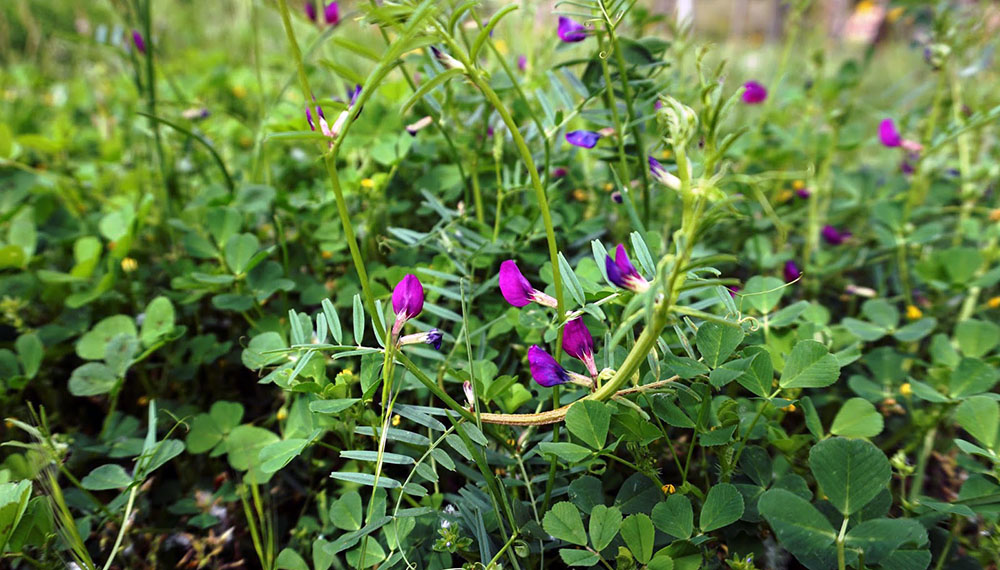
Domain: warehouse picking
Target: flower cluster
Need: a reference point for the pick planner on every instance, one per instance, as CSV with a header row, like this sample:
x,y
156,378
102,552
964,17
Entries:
x,y
331,12
334,131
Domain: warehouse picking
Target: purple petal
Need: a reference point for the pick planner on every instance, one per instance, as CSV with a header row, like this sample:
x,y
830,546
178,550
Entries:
x,y
309,118
544,369
614,274
888,134
559,172
354,95
513,286
803,193
577,341
585,139
571,31
624,264
331,14
833,236
139,41
310,10
791,271
754,93
522,62
434,337
617,197
408,297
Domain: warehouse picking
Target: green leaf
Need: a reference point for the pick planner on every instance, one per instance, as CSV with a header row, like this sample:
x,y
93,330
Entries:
x,y
810,365
238,252
756,464
570,281
674,516
244,444
762,293
574,557
358,320
972,376
589,421
759,375
563,521
366,479
92,345
288,559
863,329
13,503
280,453
850,472
977,338
857,418
106,477
878,538
638,533
345,512
570,453
881,312
29,352
723,506
800,528
159,320
332,406
333,321
716,342
254,356
92,379
604,524
813,424
916,330
980,416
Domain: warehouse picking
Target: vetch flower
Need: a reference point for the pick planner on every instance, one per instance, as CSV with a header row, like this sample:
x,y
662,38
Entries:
x,y
833,236
445,60
754,93
559,172
470,396
661,175
517,290
432,337
332,14
547,372
888,134
578,343
418,125
803,193
791,271
139,41
310,9
522,62
571,31
622,273
407,301
584,139
338,125
617,197
309,119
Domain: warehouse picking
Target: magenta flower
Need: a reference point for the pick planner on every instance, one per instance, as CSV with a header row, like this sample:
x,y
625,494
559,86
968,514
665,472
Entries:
x,y
584,139
332,14
310,10
803,193
622,273
522,62
309,119
407,301
139,41
662,176
791,271
544,369
888,134
833,236
578,343
658,105
517,290
559,172
571,31
754,93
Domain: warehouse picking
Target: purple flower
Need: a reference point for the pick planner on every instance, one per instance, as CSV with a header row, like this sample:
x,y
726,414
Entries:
x,y
332,14
407,301
754,93
309,119
622,273
906,167
617,197
585,139
522,62
544,369
139,41
517,290
432,337
803,193
888,134
571,31
833,236
658,105
311,10
558,172
791,271
660,174
578,343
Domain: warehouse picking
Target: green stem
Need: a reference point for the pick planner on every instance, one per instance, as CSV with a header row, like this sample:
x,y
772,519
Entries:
x,y
609,98
925,452
124,527
841,562
968,194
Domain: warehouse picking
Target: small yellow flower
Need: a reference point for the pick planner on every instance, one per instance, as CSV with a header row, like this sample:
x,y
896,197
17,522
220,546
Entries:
x,y
993,303
789,408
129,265
239,91
326,254
501,47
798,184
609,186
579,195
396,419
282,414
668,489
906,389
785,196
368,183
666,154
913,312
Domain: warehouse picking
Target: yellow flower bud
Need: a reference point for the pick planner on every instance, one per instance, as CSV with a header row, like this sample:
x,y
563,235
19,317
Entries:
x,y
368,183
993,303
798,185
396,419
913,312
129,265
239,91
668,489
789,408
906,389
282,414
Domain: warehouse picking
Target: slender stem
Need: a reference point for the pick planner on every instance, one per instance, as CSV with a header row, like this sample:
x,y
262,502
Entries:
x,y
925,452
956,527
968,193
124,527
841,563
609,97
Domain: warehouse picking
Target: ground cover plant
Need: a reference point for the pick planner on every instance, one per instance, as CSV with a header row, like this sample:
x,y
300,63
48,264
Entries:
x,y
418,284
